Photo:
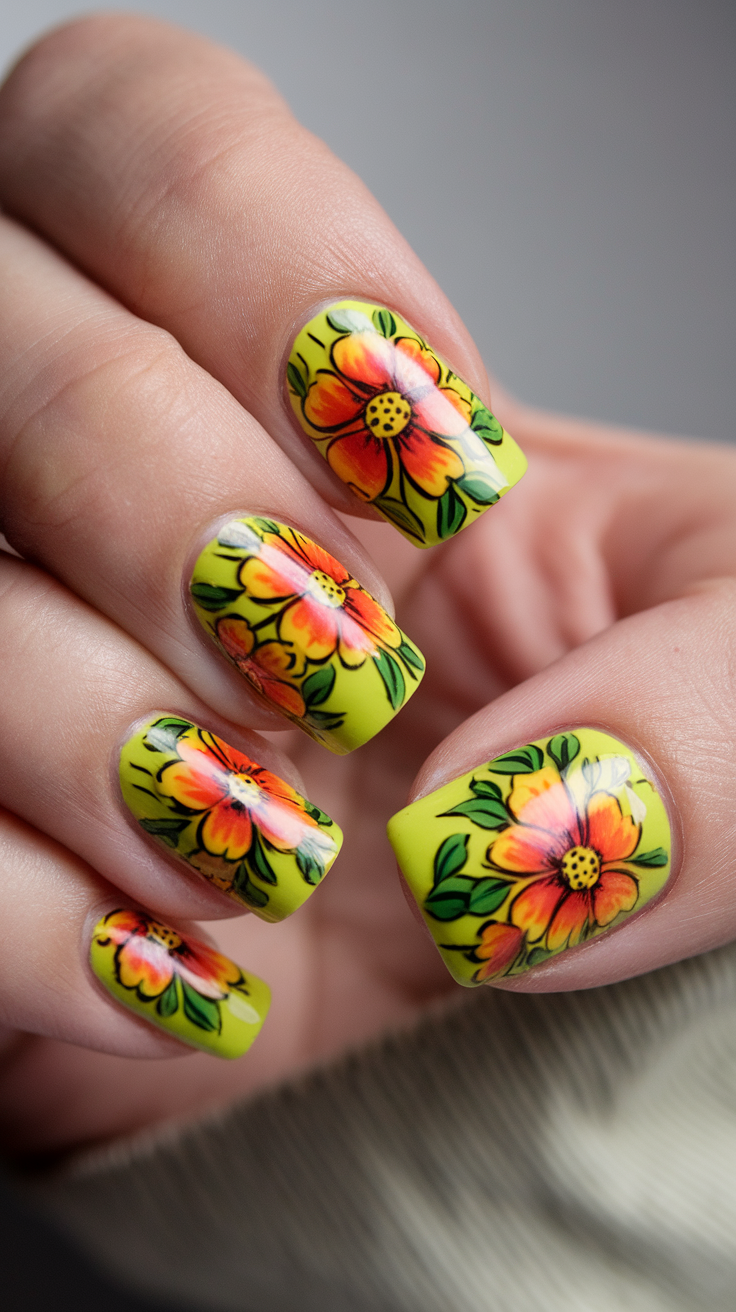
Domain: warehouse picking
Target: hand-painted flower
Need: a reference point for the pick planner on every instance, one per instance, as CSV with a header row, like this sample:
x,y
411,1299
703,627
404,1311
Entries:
x,y
571,845
150,954
325,609
267,667
383,403
499,946
235,795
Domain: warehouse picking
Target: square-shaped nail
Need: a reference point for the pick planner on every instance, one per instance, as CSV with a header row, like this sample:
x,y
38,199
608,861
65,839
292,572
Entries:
x,y
307,637
396,424
179,984
535,852
239,825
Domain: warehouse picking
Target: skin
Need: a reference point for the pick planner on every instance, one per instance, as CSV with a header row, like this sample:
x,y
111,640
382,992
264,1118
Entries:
x,y
159,252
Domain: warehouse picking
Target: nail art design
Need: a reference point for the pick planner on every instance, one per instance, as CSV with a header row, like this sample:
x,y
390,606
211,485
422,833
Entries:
x,y
396,424
307,637
179,984
539,850
247,831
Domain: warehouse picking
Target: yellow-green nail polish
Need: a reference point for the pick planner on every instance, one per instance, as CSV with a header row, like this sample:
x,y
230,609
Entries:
x,y
183,986
307,637
396,424
243,828
537,851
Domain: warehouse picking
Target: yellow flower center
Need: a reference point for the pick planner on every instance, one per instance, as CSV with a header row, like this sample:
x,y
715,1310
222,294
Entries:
x,y
388,414
168,938
581,867
325,590
244,790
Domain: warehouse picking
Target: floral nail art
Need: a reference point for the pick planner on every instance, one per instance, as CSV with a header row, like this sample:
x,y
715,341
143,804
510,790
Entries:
x,y
537,851
246,830
308,638
178,983
396,424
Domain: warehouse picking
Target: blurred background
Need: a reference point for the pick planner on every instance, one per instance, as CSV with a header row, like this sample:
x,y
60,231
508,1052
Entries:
x,y
565,169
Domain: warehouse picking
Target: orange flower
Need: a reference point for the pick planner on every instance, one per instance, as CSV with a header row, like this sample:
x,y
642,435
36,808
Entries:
x,y
150,954
383,404
325,610
570,843
267,667
499,947
234,795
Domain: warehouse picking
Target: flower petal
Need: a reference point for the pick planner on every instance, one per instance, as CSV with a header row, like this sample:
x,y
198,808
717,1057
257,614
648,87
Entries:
x,y
236,636
227,830
524,850
535,906
442,411
569,921
362,462
198,781
366,358
311,554
205,968
541,799
312,628
329,404
144,965
428,463
615,891
613,834
499,946
276,573
414,366
366,612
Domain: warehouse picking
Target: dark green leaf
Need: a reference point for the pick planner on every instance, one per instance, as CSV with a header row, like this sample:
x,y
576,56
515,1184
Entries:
x,y
164,734
523,761
451,513
326,719
211,597
168,1002
317,688
485,812
296,380
486,426
486,788
384,322
202,1012
563,749
410,657
537,956
167,830
259,862
487,896
257,897
311,867
450,857
266,525
393,679
401,515
650,860
315,814
477,487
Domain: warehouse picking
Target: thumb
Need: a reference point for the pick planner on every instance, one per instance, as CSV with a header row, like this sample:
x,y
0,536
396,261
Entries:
x,y
581,829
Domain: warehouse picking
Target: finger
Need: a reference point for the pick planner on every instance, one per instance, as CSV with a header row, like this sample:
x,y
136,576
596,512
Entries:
x,y
65,934
599,789
122,459
231,226
182,819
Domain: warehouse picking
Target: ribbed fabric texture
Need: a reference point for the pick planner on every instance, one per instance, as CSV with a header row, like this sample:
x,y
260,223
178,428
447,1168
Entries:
x,y
517,1154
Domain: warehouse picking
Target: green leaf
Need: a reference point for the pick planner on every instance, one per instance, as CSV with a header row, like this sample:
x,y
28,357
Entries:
x,y
651,860
296,380
450,858
266,525
401,515
563,749
393,679
450,899
311,867
317,688
451,513
486,426
523,761
326,719
202,1012
385,323
486,788
538,955
477,487
165,733
167,830
259,862
211,597
485,812
487,896
315,814
257,897
411,658
345,320
168,1002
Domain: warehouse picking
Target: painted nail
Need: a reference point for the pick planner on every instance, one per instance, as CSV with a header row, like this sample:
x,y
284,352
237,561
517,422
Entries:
x,y
538,850
247,831
308,638
396,424
178,983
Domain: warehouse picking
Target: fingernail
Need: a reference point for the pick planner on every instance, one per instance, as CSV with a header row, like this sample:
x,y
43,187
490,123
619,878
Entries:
x,y
308,638
396,424
247,831
178,983
537,851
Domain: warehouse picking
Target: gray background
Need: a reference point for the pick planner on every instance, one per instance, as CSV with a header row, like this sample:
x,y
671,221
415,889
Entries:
x,y
565,168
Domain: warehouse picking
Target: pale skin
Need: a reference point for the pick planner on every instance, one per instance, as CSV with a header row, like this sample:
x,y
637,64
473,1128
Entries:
x,y
167,229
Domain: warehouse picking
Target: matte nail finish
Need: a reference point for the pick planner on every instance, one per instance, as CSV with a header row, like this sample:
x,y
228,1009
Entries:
x,y
243,828
396,424
541,849
179,984
308,638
